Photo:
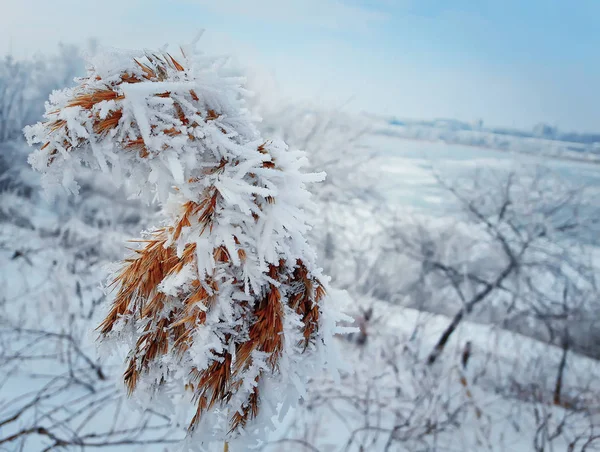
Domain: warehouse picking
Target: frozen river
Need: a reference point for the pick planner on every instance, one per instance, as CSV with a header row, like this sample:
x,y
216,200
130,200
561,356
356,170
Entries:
x,y
405,168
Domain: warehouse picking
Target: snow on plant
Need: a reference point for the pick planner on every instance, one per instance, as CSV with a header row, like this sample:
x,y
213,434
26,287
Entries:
x,y
223,305
336,142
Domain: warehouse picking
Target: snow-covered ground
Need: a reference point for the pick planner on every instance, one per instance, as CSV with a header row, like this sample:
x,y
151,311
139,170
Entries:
x,y
389,399
509,376
502,400
491,388
501,405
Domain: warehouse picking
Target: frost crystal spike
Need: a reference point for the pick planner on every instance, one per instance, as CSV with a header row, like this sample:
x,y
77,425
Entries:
x,y
223,306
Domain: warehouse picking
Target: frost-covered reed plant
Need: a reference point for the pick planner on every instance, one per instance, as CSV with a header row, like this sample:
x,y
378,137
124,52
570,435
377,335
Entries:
x,y
222,306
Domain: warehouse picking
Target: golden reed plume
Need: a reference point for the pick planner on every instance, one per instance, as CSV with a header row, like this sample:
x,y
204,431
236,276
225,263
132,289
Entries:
x,y
167,322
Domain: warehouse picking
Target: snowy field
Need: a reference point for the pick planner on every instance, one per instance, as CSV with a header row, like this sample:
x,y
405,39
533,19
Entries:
x,y
507,381
472,275
503,400
363,412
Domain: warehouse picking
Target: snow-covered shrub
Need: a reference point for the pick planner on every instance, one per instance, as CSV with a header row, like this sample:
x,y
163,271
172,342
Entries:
x,y
223,306
17,90
55,393
24,86
492,390
517,251
26,83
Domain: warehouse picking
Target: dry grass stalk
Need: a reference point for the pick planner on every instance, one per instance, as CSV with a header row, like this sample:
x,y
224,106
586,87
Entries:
x,y
170,321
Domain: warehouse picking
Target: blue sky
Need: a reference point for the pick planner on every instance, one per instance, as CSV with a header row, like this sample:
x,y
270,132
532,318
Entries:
x,y
511,63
